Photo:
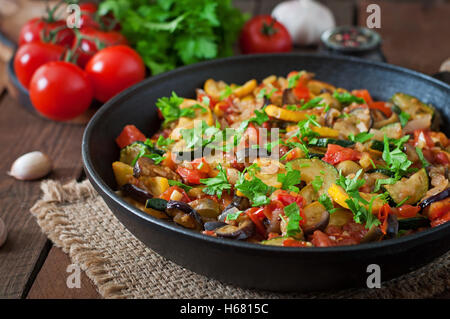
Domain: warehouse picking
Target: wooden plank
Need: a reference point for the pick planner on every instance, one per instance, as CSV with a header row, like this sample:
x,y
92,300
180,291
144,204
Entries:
x,y
414,35
51,281
22,132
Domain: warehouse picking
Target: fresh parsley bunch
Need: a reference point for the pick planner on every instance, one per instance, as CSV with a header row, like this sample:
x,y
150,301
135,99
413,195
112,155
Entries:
x,y
171,33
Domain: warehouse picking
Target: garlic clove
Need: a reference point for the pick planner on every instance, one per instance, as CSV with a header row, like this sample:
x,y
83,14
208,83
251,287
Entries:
x,y
3,232
31,166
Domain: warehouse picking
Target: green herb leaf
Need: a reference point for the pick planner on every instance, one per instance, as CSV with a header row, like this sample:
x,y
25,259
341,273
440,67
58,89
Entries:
x,y
179,184
292,211
346,98
290,179
216,185
326,201
234,216
360,137
421,157
170,108
404,118
317,182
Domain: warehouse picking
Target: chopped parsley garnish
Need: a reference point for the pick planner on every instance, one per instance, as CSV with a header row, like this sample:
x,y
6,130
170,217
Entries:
x,y
234,216
254,189
317,182
360,137
346,98
421,157
262,93
146,150
170,108
404,118
216,185
290,179
292,81
326,201
396,160
180,184
164,142
315,102
226,93
199,136
292,211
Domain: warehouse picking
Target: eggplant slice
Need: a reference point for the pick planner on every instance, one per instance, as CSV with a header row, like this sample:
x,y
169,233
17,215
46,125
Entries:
x,y
245,230
138,194
146,167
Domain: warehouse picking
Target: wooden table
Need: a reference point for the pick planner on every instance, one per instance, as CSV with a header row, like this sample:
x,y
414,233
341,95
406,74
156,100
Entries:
x,y
415,36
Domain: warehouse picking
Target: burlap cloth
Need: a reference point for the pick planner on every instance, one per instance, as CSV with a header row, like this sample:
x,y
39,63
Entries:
x,y
76,219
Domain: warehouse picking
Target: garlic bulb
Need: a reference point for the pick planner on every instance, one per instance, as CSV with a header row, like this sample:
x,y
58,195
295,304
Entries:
x,y
304,19
3,232
31,166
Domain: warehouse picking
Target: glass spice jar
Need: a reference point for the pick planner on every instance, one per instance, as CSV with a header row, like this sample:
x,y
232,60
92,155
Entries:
x,y
355,41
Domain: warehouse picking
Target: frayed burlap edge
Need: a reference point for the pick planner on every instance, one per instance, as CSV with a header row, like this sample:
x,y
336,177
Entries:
x,y
428,281
59,230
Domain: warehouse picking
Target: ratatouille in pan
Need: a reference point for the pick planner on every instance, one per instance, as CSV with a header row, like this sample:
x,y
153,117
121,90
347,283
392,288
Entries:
x,y
290,161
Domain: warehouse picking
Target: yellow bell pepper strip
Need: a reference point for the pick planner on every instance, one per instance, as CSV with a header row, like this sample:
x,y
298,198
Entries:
x,y
284,114
325,131
338,195
246,88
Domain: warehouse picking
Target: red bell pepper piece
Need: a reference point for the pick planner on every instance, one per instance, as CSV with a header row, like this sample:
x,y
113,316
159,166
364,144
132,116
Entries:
x,y
336,154
129,134
382,106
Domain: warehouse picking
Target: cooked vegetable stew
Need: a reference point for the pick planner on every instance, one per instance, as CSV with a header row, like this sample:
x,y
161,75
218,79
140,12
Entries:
x,y
290,161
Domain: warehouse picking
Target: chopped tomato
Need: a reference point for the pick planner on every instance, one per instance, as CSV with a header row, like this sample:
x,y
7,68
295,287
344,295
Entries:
x,y
422,137
191,176
383,215
363,94
275,206
273,235
301,91
257,216
336,154
320,239
168,194
201,165
287,198
438,209
442,220
130,134
210,233
407,211
441,158
382,106
289,242
293,154
212,101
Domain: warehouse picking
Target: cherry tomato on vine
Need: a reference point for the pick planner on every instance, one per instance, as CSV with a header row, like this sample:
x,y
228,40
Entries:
x,y
88,11
30,56
114,69
90,37
40,30
263,34
60,90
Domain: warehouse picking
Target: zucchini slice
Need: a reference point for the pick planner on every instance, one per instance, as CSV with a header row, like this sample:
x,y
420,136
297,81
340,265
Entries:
x,y
413,223
410,190
393,130
323,142
157,203
278,241
310,168
416,108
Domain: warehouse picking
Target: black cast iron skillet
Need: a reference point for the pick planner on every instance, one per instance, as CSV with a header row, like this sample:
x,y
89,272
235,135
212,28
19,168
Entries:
x,y
246,264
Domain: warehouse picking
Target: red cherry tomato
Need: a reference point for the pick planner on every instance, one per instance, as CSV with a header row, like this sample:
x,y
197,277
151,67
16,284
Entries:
x,y
87,15
38,30
87,47
114,69
60,90
263,34
30,56
320,239
407,211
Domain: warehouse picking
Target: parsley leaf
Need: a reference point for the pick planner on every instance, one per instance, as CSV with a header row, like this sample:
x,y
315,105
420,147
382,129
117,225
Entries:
x,y
421,157
216,185
290,179
164,142
326,201
254,189
346,98
179,184
317,182
404,118
292,80
315,102
360,137
292,211
170,108
234,216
